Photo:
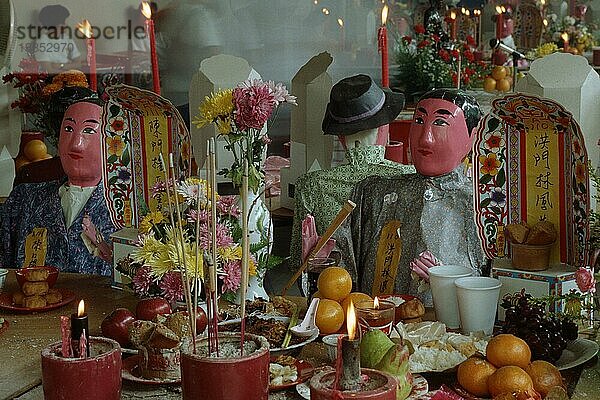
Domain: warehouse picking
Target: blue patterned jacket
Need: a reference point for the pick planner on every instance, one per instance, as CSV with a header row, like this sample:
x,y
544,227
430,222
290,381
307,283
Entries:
x,y
37,205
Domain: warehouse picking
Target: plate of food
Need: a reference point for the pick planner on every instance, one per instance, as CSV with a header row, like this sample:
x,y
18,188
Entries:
x,y
576,353
277,306
131,371
273,329
420,388
53,299
287,371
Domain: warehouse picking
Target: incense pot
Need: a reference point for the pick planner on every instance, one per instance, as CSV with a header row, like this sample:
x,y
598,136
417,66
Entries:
x,y
93,378
220,378
384,387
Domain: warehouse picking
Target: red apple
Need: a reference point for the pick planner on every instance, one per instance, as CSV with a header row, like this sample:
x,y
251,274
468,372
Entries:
x,y
148,309
116,325
201,318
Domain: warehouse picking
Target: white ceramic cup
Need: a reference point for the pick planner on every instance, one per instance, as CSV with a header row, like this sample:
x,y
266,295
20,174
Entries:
x,y
3,275
477,303
441,280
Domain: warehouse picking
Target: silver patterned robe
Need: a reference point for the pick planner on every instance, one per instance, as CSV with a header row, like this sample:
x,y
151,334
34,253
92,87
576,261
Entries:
x,y
433,213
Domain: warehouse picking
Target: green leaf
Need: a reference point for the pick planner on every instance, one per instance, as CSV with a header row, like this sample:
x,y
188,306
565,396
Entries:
x,y
112,180
485,203
112,159
114,110
125,158
493,123
501,178
485,179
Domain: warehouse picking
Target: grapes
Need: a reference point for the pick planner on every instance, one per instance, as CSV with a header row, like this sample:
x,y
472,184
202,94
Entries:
x,y
547,335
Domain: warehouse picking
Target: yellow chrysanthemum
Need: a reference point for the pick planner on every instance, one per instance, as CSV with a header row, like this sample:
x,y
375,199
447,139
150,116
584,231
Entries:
x,y
163,264
217,108
183,255
150,250
233,253
150,220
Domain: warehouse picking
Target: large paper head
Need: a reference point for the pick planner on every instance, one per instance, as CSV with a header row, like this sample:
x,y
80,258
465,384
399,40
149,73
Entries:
x,y
79,143
441,134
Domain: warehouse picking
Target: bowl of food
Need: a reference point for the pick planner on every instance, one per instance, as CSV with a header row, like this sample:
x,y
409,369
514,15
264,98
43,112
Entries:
x,y
35,275
407,308
330,342
3,274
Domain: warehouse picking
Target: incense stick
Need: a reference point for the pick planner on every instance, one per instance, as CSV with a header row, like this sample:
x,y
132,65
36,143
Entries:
x,y
207,274
213,207
196,267
245,251
333,227
181,252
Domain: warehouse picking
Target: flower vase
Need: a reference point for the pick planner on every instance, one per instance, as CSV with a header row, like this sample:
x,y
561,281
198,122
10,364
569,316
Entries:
x,y
260,229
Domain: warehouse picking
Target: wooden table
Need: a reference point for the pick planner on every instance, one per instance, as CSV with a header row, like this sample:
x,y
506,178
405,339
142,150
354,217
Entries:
x,y
28,334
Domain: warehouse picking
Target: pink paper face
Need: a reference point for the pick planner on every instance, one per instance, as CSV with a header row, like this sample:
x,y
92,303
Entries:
x,y
439,138
79,144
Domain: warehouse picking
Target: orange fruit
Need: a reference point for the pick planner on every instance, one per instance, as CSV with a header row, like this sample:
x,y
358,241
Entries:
x,y
489,84
499,72
506,349
356,298
330,316
509,379
35,150
503,85
544,375
473,374
334,283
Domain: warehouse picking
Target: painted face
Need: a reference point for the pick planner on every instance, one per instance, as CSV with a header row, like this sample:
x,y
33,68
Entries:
x,y
79,144
439,138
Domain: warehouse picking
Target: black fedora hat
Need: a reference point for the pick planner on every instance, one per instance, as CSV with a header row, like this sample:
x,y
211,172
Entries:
x,y
357,103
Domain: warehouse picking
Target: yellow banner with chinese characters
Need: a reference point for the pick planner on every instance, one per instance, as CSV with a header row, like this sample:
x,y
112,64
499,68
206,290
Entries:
x,y
156,141
389,251
35,248
543,181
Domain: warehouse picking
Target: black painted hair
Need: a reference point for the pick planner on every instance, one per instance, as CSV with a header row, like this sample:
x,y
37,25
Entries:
x,y
467,103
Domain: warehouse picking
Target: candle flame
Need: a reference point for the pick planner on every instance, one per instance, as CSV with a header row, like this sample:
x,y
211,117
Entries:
x,y
545,21
384,14
498,10
325,11
316,1
81,308
146,10
543,2
351,321
565,36
341,22
452,15
85,28
477,12
468,13
463,10
376,302
503,9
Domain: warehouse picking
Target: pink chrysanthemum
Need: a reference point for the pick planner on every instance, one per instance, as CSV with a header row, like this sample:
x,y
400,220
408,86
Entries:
x,y
203,216
172,286
281,94
142,280
232,277
253,106
224,238
227,205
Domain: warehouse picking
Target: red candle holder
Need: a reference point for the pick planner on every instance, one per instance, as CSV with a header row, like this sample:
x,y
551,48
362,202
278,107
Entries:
x,y
379,317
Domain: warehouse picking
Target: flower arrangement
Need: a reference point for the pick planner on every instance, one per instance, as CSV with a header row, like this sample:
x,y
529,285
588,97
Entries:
x,y
580,34
155,266
240,115
425,63
542,50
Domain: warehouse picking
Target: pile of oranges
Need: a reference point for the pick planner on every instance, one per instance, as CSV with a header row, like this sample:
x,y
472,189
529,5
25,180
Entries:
x,y
508,373
335,286
499,80
34,150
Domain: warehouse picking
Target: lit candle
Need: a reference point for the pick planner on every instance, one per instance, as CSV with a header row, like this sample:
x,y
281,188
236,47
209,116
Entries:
x,y
350,379
477,14
565,38
79,326
375,314
453,25
342,34
499,22
147,11
86,29
382,42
